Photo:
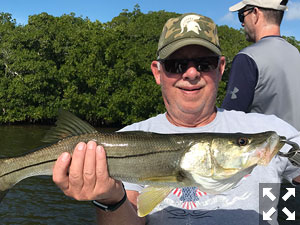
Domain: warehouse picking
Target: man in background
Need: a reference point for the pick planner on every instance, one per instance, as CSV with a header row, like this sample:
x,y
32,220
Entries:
x,y
265,76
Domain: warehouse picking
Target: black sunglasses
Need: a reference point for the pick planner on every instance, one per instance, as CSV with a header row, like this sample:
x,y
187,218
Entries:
x,y
242,16
202,64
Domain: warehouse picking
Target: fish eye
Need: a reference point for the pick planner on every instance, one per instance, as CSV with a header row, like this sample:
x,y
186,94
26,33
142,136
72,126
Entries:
x,y
242,141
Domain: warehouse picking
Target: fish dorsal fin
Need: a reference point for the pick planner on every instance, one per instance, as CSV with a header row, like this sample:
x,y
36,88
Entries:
x,y
67,125
150,197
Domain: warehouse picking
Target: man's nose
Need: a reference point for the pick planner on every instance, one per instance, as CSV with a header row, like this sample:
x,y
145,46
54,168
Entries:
x,y
192,73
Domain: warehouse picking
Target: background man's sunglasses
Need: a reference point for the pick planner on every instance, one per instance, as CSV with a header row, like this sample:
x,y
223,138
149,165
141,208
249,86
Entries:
x,y
242,16
202,64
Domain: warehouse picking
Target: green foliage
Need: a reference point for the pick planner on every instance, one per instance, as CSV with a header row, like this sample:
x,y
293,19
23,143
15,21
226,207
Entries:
x,y
293,41
100,71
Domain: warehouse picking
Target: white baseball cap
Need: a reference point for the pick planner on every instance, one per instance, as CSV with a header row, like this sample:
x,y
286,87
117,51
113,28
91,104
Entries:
x,y
268,4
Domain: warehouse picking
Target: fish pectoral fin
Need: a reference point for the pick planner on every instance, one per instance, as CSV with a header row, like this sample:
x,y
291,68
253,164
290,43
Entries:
x,y
67,125
150,197
160,179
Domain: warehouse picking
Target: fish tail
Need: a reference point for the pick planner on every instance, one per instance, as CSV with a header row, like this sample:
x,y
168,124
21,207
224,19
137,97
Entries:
x,y
15,169
4,185
7,178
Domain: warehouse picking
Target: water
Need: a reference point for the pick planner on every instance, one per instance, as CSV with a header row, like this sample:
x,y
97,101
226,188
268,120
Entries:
x,y
37,200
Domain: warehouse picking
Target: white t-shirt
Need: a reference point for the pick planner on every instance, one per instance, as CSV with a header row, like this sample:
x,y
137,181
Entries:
x,y
238,206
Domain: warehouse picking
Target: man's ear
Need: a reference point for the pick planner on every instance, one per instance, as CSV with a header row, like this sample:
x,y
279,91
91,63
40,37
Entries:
x,y
222,65
156,67
256,14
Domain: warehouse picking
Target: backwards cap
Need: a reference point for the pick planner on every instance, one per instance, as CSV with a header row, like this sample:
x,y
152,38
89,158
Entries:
x,y
268,4
188,29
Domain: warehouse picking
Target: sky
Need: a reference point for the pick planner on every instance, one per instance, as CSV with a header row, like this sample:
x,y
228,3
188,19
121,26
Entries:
x,y
104,11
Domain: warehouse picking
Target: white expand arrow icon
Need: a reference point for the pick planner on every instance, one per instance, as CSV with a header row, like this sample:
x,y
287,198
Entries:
x,y
267,215
290,192
267,192
291,216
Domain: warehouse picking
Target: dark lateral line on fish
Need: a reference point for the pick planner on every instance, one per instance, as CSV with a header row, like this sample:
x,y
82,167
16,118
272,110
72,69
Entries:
x,y
110,157
143,154
23,168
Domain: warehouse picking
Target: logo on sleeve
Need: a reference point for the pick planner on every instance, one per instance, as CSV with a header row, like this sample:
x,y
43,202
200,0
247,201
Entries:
x,y
234,93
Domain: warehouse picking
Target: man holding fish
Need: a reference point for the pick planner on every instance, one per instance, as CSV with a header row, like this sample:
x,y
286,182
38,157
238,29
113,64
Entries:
x,y
188,69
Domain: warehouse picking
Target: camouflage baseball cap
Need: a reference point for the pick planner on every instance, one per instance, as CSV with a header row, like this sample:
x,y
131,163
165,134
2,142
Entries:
x,y
188,29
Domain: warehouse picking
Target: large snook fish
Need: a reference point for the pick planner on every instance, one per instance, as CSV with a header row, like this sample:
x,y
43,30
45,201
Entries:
x,y
213,162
